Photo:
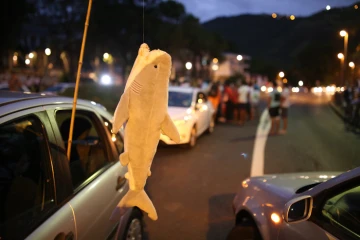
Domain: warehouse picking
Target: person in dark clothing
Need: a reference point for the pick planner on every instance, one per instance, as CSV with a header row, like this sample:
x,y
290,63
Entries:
x,y
347,104
228,92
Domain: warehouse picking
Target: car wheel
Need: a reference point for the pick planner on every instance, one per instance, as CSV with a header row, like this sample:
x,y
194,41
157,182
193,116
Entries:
x,y
134,227
193,138
211,125
245,229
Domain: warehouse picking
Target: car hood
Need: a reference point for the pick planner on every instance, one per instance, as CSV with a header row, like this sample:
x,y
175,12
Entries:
x,y
289,184
178,112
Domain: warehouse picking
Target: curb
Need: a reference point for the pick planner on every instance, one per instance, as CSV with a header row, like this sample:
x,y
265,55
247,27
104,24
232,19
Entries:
x,y
336,110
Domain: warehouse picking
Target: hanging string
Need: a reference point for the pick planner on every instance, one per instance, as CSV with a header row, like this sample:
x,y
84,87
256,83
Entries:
x,y
143,23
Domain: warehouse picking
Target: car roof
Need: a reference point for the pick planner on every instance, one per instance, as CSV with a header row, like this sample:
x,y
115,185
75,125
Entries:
x,y
183,89
17,101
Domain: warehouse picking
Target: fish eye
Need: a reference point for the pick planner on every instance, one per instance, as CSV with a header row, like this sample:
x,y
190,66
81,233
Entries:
x,y
155,66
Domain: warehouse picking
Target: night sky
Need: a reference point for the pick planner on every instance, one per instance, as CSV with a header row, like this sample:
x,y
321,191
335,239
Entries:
x,y
208,9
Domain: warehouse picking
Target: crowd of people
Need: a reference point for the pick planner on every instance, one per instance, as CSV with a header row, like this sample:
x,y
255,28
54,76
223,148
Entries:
x,y
351,105
15,83
239,103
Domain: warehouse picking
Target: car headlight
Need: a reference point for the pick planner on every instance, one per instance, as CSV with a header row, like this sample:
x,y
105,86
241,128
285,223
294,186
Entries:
x,y
182,121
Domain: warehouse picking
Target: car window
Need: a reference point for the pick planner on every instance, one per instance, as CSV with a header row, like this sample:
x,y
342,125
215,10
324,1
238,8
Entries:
x,y
115,138
180,99
88,151
25,189
343,211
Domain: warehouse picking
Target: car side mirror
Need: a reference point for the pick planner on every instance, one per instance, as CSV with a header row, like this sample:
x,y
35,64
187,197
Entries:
x,y
298,209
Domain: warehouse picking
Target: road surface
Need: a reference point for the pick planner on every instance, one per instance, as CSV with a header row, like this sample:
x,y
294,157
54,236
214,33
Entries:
x,y
193,189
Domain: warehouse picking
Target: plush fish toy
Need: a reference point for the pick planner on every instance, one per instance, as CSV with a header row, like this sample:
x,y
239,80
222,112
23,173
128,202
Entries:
x,y
143,107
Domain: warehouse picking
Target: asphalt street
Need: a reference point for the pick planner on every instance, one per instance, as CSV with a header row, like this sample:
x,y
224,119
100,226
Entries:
x,y
193,189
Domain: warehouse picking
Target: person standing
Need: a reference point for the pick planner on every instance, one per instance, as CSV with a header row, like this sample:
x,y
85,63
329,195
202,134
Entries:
x,y
255,99
214,97
228,99
274,109
14,83
243,101
285,104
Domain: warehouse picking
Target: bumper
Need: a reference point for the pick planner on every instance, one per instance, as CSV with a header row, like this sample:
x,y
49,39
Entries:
x,y
184,136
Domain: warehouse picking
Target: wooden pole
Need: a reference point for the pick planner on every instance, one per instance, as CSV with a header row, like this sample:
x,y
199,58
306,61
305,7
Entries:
x,y
78,80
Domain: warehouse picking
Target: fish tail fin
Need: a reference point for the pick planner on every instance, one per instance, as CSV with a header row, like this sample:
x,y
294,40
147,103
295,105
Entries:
x,y
139,198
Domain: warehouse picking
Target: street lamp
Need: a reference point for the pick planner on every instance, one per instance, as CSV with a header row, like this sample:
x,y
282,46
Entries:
x,y
215,60
281,74
215,67
48,51
106,56
27,61
340,56
301,83
239,57
352,66
328,7
31,55
188,65
345,35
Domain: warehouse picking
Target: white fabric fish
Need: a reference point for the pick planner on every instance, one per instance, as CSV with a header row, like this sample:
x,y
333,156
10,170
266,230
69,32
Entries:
x,y
143,106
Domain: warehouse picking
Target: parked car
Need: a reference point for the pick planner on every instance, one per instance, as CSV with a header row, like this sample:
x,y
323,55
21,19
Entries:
x,y
317,205
5,87
192,114
58,88
45,195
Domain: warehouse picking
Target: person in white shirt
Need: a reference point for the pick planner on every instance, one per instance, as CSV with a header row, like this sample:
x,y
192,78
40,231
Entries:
x,y
274,109
285,104
243,101
255,99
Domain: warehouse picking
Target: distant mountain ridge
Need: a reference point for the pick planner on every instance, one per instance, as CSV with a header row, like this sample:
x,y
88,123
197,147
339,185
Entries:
x,y
285,42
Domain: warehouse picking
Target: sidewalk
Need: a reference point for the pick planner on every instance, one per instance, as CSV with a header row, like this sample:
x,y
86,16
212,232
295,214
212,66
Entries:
x,y
337,109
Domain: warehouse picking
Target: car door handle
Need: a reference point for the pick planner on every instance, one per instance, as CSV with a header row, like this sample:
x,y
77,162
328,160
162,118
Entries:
x,y
69,236
120,183
62,236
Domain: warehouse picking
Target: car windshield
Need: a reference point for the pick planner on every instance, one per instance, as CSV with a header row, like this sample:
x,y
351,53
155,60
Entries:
x,y
263,105
180,99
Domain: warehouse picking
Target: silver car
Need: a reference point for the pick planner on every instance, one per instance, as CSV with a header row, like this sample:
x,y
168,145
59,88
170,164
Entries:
x,y
317,205
45,195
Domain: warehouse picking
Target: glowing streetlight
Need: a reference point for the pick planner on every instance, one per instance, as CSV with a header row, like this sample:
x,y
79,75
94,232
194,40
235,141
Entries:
x,y
352,65
215,60
356,6
188,65
328,7
215,67
48,51
239,57
106,56
285,80
301,83
15,58
281,74
340,56
343,33
31,55
292,17
27,61
274,15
